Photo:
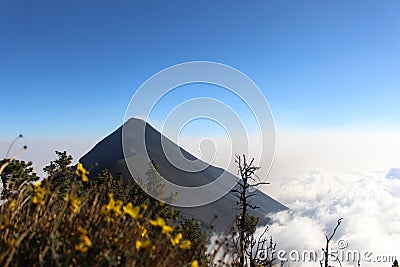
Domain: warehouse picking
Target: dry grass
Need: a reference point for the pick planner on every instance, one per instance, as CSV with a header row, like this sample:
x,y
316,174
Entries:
x,y
88,227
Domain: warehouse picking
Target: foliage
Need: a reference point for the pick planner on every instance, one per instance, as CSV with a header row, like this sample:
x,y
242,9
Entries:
x,y
94,226
65,221
60,172
193,230
68,219
154,185
14,174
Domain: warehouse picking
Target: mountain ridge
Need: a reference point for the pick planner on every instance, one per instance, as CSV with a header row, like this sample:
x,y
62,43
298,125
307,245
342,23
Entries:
x,y
109,154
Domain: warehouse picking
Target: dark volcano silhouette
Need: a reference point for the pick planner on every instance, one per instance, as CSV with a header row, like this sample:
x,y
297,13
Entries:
x,y
109,154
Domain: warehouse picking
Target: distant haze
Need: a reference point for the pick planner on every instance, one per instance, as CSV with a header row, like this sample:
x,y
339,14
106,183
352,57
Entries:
x,y
298,150
41,151
333,151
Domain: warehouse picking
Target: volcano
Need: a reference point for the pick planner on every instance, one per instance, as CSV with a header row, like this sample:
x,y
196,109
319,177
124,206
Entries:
x,y
109,154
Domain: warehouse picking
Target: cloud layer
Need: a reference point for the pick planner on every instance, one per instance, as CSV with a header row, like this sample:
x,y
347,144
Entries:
x,y
367,201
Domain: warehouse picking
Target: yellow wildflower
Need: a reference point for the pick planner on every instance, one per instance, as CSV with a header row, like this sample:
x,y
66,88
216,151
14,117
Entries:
x,y
142,244
38,194
142,230
81,247
118,208
82,172
37,201
175,241
166,229
85,242
132,211
195,263
73,202
112,208
144,233
185,244
13,204
157,222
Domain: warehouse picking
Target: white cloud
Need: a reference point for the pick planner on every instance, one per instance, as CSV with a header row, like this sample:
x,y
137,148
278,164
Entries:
x,y
367,201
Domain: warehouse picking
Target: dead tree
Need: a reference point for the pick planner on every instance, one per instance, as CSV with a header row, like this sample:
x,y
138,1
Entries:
x,y
328,240
246,170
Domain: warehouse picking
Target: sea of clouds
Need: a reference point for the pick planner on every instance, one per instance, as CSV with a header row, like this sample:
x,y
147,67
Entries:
x,y
367,201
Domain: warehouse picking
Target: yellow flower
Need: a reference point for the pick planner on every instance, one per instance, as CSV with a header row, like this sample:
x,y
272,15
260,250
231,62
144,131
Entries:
x,y
38,201
185,244
142,244
195,263
81,247
105,212
166,229
38,194
118,208
157,222
113,207
142,230
82,172
73,201
85,242
132,211
13,204
175,241
144,233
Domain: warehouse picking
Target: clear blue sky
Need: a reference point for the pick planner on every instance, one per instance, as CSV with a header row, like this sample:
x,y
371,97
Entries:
x,y
69,68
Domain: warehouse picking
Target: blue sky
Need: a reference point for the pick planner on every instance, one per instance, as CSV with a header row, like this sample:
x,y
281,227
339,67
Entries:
x,y
330,71
69,68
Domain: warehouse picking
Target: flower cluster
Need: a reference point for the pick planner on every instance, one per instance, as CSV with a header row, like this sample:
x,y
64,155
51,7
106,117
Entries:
x,y
144,245
134,212
112,209
39,194
85,242
82,172
73,202
166,229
